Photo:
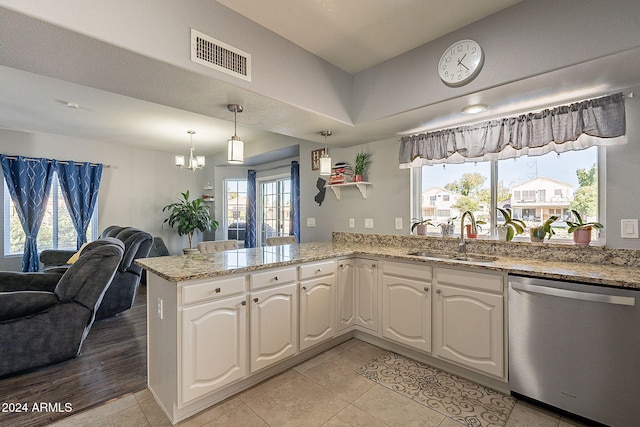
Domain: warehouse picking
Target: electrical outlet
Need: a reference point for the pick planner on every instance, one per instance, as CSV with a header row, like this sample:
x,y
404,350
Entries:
x,y
160,308
352,223
368,223
398,223
629,228
311,222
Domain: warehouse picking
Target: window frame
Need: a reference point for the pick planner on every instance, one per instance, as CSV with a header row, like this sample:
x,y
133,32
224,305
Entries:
x,y
225,216
416,189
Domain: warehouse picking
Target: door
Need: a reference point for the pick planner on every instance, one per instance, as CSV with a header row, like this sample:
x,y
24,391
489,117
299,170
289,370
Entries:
x,y
274,208
274,325
366,294
345,292
406,311
316,310
213,346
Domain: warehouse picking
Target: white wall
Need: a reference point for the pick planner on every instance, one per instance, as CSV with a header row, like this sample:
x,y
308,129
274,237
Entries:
x,y
133,189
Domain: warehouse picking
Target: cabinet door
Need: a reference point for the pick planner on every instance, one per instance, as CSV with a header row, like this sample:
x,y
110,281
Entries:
x,y
213,346
274,325
366,293
345,292
469,328
316,310
406,316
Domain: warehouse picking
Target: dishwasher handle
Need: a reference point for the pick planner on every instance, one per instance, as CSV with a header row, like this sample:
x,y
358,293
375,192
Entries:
x,y
566,293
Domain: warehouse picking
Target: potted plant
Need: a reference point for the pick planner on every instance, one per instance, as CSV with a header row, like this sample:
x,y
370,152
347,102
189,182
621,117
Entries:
x,y
362,162
539,232
448,228
510,227
420,225
581,230
188,216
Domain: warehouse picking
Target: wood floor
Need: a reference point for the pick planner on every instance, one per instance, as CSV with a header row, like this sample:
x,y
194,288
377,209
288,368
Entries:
x,y
112,363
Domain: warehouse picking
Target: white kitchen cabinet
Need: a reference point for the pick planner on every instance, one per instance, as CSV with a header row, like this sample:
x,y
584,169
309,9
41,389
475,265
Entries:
x,y
274,325
345,295
317,303
213,345
406,304
366,294
469,320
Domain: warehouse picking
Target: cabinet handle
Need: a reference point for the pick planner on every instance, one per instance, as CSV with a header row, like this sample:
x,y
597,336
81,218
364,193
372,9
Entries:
x,y
275,278
304,288
255,300
217,290
243,303
341,266
426,289
319,270
373,266
438,291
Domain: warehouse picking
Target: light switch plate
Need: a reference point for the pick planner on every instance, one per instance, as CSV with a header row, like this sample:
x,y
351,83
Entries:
x,y
398,223
629,228
311,222
368,223
352,223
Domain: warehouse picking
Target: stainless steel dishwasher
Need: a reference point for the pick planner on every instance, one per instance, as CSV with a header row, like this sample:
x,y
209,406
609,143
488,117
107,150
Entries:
x,y
576,347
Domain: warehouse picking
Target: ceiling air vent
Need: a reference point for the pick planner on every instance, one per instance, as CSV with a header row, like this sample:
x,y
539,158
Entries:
x,y
220,56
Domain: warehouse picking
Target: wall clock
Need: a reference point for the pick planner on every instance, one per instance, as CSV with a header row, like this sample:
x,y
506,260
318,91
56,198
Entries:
x,y
460,63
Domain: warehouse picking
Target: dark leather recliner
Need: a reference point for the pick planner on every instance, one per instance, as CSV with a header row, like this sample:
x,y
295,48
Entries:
x,y
37,327
121,294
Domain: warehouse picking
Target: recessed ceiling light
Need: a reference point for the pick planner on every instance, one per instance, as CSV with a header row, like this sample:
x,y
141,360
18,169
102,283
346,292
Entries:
x,y
474,109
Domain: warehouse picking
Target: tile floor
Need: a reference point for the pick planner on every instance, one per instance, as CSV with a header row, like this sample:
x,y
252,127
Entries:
x,y
323,391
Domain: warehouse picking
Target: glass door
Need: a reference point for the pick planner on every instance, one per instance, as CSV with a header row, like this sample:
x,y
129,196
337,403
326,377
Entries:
x,y
274,208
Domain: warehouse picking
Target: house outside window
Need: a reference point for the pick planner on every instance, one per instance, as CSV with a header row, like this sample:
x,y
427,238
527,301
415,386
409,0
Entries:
x,y
534,188
56,231
235,212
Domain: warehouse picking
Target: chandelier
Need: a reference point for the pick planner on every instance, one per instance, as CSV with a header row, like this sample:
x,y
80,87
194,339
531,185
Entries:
x,y
196,162
235,146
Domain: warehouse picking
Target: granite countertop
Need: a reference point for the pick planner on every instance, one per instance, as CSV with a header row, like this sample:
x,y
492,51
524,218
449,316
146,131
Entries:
x,y
199,266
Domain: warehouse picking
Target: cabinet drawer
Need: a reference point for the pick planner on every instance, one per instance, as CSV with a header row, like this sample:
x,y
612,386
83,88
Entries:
x,y
212,289
273,277
317,269
470,279
403,269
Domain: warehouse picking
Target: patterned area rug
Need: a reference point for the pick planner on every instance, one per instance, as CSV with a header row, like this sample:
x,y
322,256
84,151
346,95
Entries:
x,y
466,402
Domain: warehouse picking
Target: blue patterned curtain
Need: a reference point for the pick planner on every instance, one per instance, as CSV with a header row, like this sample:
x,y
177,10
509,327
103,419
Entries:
x,y
295,201
80,183
250,240
29,183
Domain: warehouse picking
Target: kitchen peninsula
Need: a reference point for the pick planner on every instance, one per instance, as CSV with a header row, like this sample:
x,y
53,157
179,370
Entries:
x,y
220,323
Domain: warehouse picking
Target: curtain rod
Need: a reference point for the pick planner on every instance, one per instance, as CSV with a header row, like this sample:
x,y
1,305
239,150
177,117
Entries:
x,y
32,159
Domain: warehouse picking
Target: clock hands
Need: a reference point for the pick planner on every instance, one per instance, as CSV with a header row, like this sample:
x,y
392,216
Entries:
x,y
460,61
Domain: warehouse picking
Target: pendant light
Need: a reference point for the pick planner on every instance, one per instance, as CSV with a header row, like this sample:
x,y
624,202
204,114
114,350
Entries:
x,y
325,160
235,146
195,162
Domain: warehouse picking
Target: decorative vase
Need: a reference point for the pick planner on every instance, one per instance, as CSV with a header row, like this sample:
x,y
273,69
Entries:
x,y
421,229
582,236
470,234
358,178
537,234
502,232
447,229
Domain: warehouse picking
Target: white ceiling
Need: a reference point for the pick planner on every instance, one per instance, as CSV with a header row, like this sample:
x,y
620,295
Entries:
x,y
357,34
335,36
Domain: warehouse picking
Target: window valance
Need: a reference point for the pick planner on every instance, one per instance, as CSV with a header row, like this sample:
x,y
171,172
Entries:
x,y
599,121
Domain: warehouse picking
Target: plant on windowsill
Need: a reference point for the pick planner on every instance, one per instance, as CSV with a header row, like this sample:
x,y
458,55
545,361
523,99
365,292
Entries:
x,y
581,230
448,228
188,216
420,225
511,227
361,163
539,232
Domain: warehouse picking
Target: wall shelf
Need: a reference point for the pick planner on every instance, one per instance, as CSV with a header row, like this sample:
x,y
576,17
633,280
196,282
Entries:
x,y
362,186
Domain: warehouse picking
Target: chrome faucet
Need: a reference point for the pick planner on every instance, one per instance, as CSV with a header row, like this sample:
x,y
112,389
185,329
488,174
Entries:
x,y
462,246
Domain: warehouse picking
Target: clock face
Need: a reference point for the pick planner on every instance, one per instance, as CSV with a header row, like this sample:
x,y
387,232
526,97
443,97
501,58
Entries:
x,y
460,63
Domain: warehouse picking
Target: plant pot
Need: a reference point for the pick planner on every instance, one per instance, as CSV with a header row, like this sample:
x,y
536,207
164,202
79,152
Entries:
x,y
447,230
470,234
502,232
190,251
421,229
582,236
358,178
537,234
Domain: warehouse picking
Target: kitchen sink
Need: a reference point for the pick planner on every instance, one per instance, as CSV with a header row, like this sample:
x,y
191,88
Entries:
x,y
469,257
